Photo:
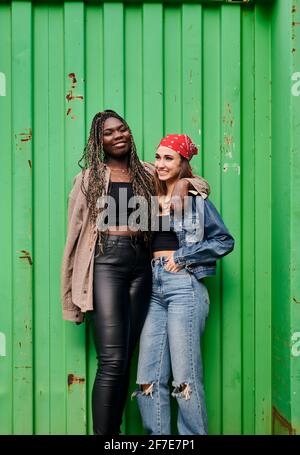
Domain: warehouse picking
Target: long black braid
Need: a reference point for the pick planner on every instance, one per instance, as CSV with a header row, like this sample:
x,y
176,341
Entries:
x,y
94,157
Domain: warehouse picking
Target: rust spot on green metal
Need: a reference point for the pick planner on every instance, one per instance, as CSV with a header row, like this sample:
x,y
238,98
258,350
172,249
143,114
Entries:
x,y
276,416
70,96
74,80
72,379
24,136
228,139
26,255
228,115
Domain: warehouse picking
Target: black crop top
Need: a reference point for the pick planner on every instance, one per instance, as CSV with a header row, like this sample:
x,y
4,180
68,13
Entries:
x,y
121,192
163,239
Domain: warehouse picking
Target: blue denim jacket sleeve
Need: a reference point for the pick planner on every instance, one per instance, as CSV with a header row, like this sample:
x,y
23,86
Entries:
x,y
216,243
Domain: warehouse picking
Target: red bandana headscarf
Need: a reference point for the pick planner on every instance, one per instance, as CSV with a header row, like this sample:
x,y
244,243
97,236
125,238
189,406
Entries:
x,y
181,144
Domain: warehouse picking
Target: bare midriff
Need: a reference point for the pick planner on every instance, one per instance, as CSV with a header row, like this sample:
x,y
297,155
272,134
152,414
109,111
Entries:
x,y
157,254
123,230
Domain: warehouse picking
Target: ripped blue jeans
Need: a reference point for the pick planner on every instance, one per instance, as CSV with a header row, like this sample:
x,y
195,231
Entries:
x,y
170,341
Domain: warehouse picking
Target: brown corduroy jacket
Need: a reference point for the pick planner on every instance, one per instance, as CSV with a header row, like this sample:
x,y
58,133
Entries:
x,y
78,258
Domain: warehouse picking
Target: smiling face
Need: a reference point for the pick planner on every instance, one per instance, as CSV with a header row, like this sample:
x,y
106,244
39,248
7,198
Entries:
x,y
167,164
116,138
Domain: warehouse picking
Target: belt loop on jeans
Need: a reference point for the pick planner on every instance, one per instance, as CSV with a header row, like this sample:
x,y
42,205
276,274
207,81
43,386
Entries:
x,y
160,260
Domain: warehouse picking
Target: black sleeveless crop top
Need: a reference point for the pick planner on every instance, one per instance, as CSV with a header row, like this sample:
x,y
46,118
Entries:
x,y
121,192
163,239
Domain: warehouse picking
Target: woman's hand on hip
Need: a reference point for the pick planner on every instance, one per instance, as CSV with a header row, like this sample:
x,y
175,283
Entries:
x,y
171,266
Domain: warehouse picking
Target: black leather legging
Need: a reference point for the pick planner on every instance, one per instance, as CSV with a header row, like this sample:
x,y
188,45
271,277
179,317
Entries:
x,y
122,289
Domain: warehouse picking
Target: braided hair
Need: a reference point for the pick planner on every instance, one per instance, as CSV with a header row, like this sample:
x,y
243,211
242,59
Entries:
x,y
94,158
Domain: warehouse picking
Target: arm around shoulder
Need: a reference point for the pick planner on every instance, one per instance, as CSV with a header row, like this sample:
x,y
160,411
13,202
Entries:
x,y
199,185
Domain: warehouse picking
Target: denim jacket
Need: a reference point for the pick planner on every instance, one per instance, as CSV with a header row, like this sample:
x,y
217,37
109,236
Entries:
x,y
203,237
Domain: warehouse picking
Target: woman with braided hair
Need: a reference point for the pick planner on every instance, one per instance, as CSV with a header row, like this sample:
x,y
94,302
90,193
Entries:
x,y
106,266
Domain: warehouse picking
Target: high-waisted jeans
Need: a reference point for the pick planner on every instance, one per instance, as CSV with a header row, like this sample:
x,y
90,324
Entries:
x,y
122,290
170,339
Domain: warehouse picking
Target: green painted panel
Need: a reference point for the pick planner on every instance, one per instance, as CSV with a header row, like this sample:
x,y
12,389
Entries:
x,y
204,68
94,96
22,211
285,218
153,88
295,221
113,64
134,72
6,201
56,208
191,84
211,151
247,216
74,67
281,215
41,224
230,208
172,70
262,230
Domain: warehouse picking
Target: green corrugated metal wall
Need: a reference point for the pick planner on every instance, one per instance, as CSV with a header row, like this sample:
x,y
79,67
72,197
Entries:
x,y
204,69
286,217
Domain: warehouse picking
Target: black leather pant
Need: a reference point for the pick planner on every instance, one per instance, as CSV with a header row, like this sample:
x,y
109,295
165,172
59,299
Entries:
x,y
122,290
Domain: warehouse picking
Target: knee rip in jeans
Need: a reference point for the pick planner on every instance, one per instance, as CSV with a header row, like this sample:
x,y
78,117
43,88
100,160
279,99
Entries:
x,y
145,389
182,391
